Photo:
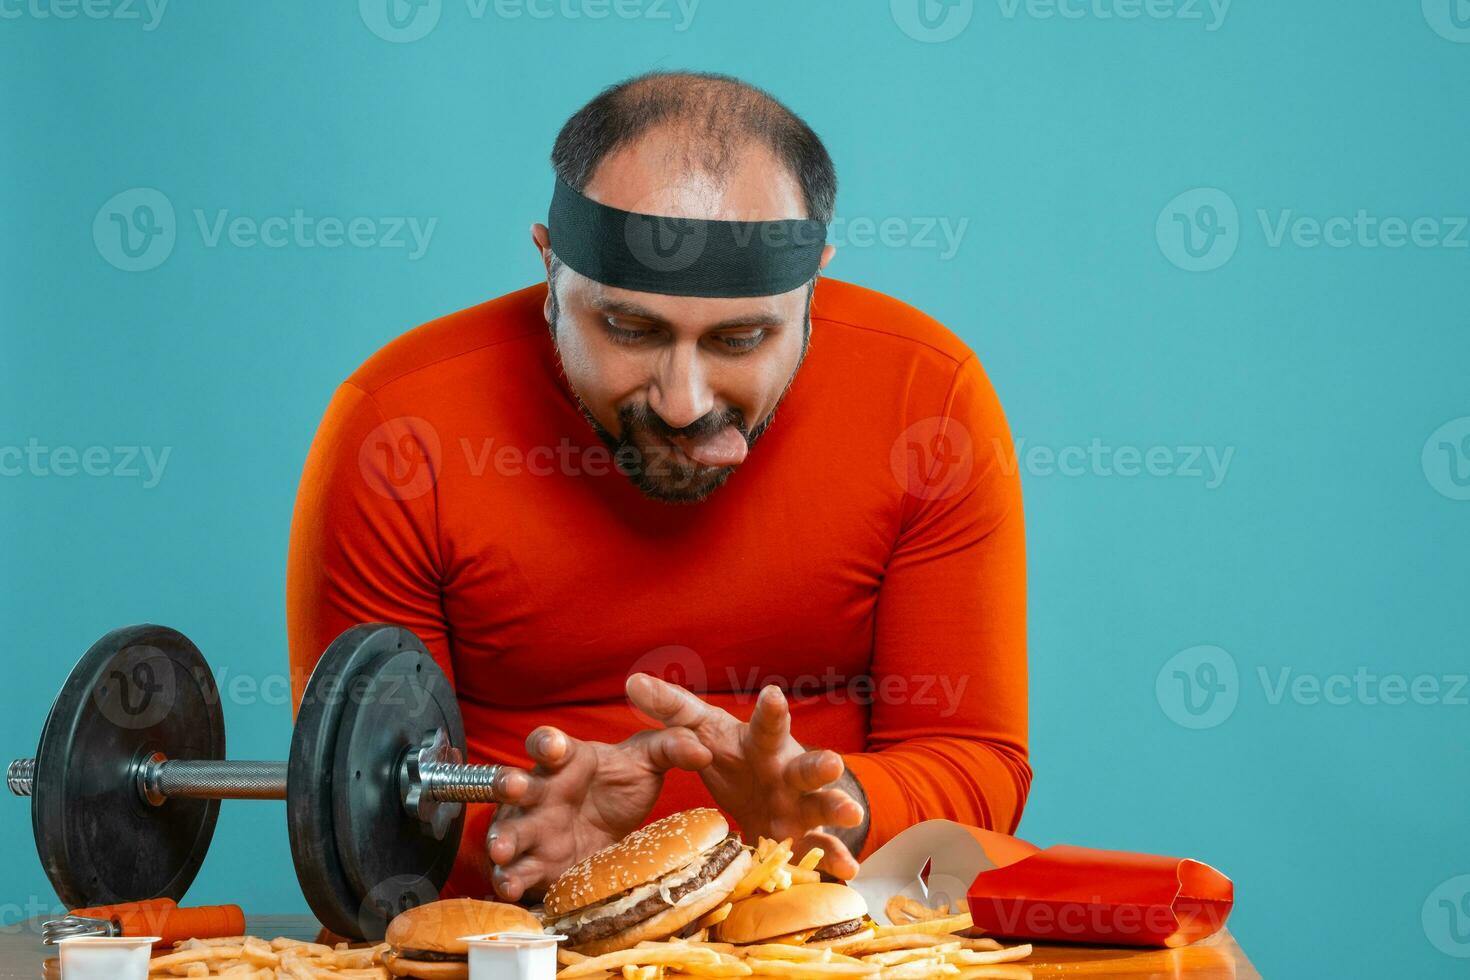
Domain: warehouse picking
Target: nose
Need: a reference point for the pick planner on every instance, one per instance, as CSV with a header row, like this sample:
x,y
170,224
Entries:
x,y
680,392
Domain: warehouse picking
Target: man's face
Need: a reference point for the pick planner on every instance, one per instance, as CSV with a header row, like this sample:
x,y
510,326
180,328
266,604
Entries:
x,y
680,387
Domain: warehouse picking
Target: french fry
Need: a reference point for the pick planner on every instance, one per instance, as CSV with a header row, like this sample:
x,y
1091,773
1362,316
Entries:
x,y
809,970
778,880
919,970
802,876
882,944
252,958
896,956
980,944
728,966
763,869
1001,971
672,953
811,859
200,954
974,957
786,951
715,916
949,923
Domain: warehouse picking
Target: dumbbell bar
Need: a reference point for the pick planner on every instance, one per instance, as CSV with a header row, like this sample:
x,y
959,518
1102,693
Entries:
x,y
130,769
435,778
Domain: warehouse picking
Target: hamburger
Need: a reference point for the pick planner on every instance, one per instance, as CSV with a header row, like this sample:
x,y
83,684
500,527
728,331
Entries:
x,y
816,914
649,885
425,942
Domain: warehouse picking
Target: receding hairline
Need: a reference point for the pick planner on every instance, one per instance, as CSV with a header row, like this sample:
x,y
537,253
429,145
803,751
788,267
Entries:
x,y
716,118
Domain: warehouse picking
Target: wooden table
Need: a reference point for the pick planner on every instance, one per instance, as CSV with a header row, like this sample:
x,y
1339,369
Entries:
x,y
1217,958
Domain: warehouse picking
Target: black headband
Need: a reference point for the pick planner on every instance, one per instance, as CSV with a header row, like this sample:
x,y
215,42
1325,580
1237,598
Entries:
x,y
682,256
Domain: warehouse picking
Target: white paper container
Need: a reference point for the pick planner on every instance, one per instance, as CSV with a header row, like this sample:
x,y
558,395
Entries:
x,y
513,955
894,868
106,957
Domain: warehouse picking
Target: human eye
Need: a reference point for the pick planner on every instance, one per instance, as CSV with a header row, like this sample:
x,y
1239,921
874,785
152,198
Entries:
x,y
623,333
742,343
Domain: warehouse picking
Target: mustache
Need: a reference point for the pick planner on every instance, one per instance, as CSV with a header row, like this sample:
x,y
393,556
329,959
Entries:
x,y
641,416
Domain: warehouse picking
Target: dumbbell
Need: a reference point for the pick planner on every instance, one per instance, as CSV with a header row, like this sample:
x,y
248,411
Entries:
x,y
126,782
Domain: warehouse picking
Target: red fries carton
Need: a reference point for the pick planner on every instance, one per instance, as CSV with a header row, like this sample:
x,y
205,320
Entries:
x,y
1055,894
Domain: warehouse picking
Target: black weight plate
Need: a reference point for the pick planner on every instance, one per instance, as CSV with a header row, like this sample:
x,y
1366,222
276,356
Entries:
x,y
138,690
392,859
310,807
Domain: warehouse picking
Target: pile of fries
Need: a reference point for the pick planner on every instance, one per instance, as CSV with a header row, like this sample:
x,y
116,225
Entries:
x,y
920,944
250,958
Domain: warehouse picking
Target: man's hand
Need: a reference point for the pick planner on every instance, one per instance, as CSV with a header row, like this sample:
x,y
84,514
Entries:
x,y
762,776
579,797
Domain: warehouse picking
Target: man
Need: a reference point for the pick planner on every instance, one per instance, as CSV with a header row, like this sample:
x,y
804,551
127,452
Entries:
x,y
572,490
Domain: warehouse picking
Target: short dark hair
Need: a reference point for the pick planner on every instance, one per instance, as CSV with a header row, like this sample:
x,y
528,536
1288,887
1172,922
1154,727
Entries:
x,y
718,113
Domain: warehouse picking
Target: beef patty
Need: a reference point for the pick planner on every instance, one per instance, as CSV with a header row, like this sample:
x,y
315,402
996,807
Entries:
x,y
600,927
836,931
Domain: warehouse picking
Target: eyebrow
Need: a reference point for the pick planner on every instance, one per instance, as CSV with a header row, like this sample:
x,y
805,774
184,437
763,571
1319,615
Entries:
x,y
626,308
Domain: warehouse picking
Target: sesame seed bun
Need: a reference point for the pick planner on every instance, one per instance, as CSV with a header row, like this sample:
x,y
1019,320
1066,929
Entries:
x,y
643,856
436,929
796,909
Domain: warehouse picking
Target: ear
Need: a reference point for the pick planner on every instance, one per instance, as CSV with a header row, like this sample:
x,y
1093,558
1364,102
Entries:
x,y
541,238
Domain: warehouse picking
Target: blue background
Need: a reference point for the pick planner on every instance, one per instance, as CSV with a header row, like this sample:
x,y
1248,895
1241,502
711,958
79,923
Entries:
x,y
1328,546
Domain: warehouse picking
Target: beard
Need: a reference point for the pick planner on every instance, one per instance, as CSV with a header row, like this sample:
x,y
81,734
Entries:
x,y
642,450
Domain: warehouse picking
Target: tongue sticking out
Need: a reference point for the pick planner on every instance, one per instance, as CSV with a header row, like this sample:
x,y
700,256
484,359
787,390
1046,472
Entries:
x,y
724,448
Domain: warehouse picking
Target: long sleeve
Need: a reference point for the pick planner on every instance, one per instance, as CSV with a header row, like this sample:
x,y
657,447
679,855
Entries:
x,y
363,540
948,731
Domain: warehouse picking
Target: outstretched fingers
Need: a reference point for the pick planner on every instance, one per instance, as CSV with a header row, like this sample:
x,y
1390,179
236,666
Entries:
x,y
670,748
669,704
